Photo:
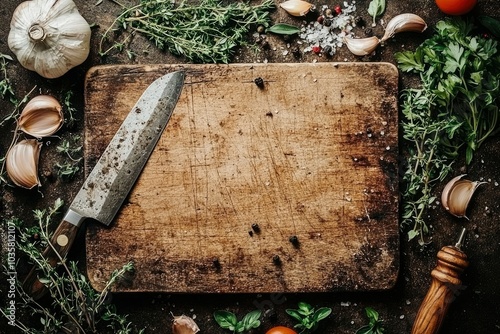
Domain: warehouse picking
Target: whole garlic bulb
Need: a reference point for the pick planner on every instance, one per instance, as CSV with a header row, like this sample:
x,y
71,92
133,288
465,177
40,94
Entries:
x,y
49,36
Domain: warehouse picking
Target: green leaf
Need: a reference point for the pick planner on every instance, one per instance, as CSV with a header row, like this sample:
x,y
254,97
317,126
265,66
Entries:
x,y
294,314
225,319
410,61
490,23
376,8
283,29
412,234
367,329
321,313
251,320
371,314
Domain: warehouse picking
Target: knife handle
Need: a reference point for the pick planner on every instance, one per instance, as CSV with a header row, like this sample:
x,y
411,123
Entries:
x,y
61,242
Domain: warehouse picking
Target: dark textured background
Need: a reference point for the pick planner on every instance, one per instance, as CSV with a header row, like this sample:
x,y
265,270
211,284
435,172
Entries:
x,y
474,311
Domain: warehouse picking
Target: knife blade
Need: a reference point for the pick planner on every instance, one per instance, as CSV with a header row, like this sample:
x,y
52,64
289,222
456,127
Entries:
x,y
117,170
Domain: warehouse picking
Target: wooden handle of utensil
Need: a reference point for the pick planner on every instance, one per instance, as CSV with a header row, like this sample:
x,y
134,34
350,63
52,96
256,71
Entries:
x,y
445,286
61,242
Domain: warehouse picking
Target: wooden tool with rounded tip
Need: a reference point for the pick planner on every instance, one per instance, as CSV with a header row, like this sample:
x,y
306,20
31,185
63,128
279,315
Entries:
x,y
445,286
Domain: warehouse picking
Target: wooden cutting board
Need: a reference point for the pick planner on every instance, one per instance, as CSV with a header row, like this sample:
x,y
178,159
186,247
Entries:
x,y
311,155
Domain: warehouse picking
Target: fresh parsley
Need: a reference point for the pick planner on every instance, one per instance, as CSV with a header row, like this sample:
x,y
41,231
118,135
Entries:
x,y
455,109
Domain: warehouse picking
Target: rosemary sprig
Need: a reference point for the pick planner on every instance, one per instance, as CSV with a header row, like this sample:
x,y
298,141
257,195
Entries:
x,y
203,33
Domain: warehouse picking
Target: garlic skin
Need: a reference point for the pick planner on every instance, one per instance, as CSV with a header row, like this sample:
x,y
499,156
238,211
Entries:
x,y
41,117
361,46
296,7
457,194
49,36
21,163
184,325
402,23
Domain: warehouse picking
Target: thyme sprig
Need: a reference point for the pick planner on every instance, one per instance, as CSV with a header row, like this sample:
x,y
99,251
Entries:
x,y
456,107
76,307
203,33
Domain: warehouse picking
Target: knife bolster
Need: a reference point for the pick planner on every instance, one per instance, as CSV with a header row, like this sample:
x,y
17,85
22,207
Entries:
x,y
74,218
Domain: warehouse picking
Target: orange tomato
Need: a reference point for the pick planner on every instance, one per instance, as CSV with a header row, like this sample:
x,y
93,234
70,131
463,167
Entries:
x,y
281,330
456,7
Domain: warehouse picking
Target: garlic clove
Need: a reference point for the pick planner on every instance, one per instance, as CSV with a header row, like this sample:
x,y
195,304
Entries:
x,y
361,46
184,325
402,23
21,163
296,7
457,194
41,117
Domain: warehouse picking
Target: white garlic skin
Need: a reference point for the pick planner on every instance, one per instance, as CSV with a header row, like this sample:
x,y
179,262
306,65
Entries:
x,y
296,7
41,117
49,37
361,46
184,325
403,23
21,163
457,194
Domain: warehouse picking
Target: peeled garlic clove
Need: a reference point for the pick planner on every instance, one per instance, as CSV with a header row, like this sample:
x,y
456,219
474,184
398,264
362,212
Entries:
x,y
362,46
296,7
184,325
402,23
21,163
41,117
457,194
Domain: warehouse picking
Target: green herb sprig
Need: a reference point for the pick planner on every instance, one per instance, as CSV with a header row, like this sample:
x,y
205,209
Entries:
x,y
457,106
308,317
376,8
375,323
204,33
228,320
76,307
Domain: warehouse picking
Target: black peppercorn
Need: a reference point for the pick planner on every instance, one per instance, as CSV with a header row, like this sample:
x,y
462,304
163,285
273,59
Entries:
x,y
259,82
256,227
294,240
296,53
216,262
327,50
276,260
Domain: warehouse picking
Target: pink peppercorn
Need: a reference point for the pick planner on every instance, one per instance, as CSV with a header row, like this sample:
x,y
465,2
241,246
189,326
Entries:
x,y
316,49
337,9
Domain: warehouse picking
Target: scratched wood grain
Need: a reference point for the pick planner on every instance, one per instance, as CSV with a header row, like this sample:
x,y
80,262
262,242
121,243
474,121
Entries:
x,y
312,154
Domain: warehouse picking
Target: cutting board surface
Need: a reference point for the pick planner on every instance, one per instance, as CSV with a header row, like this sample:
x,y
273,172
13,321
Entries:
x,y
311,155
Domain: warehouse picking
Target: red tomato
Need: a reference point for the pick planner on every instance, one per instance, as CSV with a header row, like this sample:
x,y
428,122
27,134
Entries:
x,y
281,330
456,7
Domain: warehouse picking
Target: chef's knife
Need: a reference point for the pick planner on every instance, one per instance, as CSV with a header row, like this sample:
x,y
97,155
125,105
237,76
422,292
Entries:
x,y
112,178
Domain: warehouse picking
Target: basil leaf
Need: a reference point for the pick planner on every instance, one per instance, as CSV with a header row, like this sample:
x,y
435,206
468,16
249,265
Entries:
x,y
376,8
283,29
321,313
225,319
251,320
